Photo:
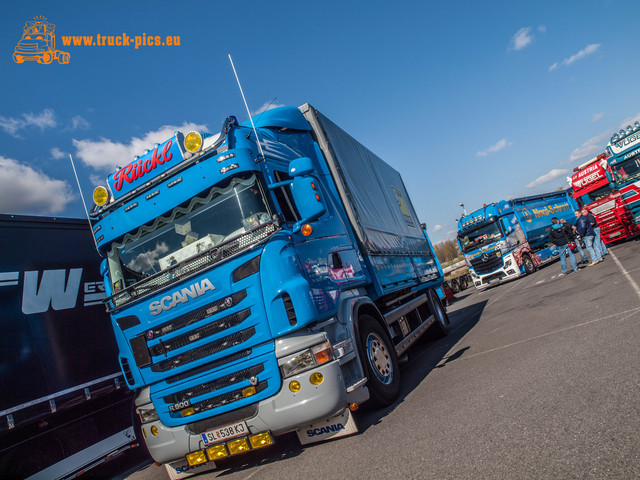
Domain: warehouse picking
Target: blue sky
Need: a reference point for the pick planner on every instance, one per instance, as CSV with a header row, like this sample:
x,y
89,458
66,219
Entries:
x,y
472,103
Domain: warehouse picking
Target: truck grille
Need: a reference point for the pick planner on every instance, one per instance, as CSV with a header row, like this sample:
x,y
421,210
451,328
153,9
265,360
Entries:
x,y
487,262
204,351
219,384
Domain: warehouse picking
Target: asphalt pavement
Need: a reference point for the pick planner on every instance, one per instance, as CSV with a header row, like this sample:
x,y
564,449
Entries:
x,y
539,378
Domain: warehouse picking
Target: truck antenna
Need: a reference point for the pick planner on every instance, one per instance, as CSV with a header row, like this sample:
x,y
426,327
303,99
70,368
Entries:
x,y
247,107
83,203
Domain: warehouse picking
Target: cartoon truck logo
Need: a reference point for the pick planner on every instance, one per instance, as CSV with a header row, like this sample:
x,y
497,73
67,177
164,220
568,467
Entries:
x,y
39,43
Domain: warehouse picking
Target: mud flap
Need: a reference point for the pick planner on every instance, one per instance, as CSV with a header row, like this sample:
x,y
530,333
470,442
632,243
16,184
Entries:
x,y
335,427
181,469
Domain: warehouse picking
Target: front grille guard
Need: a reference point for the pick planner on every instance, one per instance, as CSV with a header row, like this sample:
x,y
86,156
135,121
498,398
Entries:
x,y
191,266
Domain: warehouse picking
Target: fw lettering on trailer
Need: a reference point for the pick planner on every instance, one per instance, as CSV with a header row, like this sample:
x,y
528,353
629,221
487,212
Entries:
x,y
55,289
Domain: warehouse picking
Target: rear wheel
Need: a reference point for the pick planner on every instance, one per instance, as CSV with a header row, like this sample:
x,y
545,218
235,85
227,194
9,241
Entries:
x,y
455,286
380,362
529,266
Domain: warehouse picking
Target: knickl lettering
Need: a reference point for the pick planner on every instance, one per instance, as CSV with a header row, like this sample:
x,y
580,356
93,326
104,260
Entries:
x,y
138,169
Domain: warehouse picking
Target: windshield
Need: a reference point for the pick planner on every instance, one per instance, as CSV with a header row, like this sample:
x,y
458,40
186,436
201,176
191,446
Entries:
x,y
627,170
482,236
207,221
595,195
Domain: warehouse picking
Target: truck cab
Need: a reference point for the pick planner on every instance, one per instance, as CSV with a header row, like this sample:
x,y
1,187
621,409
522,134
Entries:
x,y
596,187
505,240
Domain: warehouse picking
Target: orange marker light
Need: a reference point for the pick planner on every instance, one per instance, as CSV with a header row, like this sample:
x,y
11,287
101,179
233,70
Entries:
x,y
307,230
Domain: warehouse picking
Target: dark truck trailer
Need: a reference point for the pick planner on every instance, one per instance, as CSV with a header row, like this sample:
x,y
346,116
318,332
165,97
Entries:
x,y
64,405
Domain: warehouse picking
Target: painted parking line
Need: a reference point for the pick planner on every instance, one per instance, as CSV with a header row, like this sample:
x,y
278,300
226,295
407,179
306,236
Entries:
x,y
634,285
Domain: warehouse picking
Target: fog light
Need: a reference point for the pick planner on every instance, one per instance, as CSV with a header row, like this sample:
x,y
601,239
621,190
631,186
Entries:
x,y
196,458
217,451
260,440
187,411
294,386
316,378
154,431
248,391
238,446
100,196
193,142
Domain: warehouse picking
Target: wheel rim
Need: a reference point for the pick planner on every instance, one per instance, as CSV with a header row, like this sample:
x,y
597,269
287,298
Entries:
x,y
379,358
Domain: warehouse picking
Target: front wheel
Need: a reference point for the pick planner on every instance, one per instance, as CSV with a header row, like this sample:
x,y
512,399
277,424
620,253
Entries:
x,y
529,266
440,327
380,362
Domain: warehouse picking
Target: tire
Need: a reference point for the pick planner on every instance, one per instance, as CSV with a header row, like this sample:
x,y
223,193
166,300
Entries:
x,y
380,362
455,286
441,326
529,266
463,283
18,58
63,58
46,58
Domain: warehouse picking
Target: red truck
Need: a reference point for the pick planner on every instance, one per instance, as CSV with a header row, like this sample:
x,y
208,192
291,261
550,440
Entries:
x,y
595,189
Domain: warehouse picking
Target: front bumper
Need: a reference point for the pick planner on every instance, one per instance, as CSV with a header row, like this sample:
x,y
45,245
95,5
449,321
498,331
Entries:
x,y
284,412
508,271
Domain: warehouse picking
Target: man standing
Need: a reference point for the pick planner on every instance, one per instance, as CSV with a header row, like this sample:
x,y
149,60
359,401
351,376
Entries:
x,y
594,223
573,237
585,230
558,236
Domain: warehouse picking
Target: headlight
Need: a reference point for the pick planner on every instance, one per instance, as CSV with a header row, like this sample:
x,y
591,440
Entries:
x,y
147,415
306,360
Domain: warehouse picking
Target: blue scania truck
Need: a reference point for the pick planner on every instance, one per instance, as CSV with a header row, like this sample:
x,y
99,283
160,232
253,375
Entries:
x,y
510,238
261,281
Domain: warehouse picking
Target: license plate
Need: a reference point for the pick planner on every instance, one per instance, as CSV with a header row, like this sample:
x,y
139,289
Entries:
x,y
224,433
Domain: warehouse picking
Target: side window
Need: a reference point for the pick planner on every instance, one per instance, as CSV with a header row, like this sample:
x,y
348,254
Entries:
x,y
284,198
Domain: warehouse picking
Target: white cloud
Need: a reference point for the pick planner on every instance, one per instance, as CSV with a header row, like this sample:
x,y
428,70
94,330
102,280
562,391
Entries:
x,y
597,116
437,228
79,123
105,155
57,154
28,191
499,145
547,177
521,39
266,106
588,50
42,120
542,29
597,144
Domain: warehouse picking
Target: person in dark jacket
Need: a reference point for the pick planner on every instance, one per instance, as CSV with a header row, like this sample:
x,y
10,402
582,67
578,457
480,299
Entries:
x,y
598,242
558,236
585,230
573,238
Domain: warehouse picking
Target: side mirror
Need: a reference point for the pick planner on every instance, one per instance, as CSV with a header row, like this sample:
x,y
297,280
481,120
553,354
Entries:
x,y
300,167
305,192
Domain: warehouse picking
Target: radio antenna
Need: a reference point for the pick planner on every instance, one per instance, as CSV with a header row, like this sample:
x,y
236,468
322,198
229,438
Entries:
x,y
247,107
83,203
